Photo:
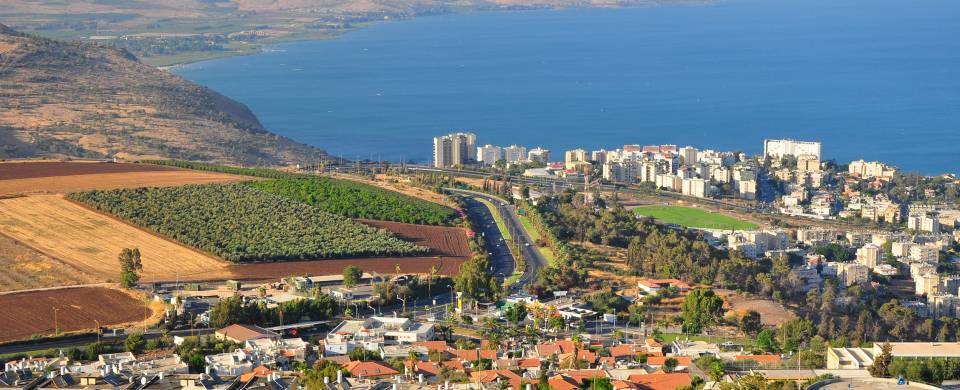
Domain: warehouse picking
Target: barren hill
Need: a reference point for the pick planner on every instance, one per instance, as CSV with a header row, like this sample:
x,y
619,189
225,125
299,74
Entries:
x,y
83,99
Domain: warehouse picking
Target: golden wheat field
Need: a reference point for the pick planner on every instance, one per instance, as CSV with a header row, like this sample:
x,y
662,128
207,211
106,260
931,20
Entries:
x,y
90,242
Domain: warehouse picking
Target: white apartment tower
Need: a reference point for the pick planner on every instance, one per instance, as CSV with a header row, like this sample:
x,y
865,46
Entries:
x,y
489,154
453,149
515,154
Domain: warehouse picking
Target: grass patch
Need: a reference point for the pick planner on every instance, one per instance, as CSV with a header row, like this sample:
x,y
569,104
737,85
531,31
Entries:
x,y
513,278
497,218
692,217
535,235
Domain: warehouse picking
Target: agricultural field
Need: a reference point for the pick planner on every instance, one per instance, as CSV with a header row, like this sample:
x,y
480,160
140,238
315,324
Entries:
x,y
442,240
348,198
87,243
25,268
77,309
240,223
64,177
449,266
356,200
693,217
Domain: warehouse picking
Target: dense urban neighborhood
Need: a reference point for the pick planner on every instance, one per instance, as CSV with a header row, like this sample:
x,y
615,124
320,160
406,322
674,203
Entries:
x,y
643,267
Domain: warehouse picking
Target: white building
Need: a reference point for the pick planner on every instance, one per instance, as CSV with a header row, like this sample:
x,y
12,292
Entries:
x,y
871,169
515,154
924,222
454,149
925,253
489,154
695,187
786,147
375,332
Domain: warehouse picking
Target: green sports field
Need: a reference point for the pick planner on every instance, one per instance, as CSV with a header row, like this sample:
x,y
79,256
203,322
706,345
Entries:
x,y
691,217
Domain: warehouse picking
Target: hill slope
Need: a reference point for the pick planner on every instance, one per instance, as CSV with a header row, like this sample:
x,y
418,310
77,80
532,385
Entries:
x,y
82,99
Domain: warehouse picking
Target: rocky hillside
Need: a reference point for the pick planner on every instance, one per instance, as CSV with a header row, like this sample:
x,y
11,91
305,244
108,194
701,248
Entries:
x,y
86,100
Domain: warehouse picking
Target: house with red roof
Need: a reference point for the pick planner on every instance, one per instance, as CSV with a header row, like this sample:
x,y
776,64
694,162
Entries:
x,y
765,359
656,362
660,381
491,376
369,369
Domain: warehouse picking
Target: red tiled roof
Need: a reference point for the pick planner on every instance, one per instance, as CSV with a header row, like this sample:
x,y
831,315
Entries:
x,y
488,376
762,359
426,368
369,369
242,333
580,375
259,371
623,350
562,382
471,354
660,381
530,363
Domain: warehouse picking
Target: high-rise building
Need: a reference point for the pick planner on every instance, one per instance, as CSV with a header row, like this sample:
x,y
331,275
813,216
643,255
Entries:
x,y
575,155
695,187
454,149
869,255
787,147
515,154
599,156
688,155
489,154
539,154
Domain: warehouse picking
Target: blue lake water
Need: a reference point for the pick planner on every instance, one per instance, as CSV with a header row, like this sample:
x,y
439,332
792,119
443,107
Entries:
x,y
874,79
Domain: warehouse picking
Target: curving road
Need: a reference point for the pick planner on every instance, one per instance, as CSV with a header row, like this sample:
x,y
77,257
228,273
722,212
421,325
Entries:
x,y
533,259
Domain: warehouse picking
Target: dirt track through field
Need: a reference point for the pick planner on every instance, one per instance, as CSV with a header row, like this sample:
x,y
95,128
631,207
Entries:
x,y
32,313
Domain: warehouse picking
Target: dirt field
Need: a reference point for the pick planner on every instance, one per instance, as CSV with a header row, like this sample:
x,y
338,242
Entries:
x,y
385,181
90,242
266,271
24,268
31,313
445,241
771,313
62,177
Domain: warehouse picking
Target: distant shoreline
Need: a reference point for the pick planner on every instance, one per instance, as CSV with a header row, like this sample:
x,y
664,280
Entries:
x,y
198,57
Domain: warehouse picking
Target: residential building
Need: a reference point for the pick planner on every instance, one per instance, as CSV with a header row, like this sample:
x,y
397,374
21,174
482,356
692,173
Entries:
x,y
538,154
924,222
695,187
374,332
925,253
871,169
454,149
851,273
785,147
241,333
870,255
816,236
808,163
599,156
515,154
688,155
576,155
489,154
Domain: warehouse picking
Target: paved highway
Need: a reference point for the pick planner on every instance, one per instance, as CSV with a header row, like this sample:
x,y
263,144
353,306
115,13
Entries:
x,y
533,259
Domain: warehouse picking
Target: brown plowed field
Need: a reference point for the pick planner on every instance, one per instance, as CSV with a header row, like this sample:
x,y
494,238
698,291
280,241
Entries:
x,y
31,313
34,169
445,241
382,265
63,177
